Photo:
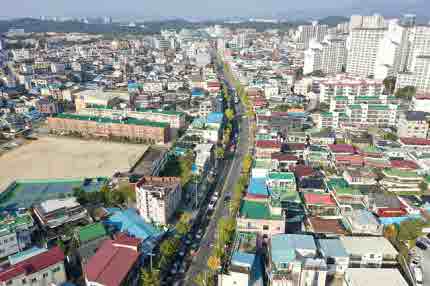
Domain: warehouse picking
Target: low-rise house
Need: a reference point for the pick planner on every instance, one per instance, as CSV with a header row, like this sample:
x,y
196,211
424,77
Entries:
x,y
57,212
328,227
396,180
261,218
157,198
15,232
319,204
36,266
284,162
245,269
265,149
335,255
369,251
292,261
363,222
414,144
115,263
89,239
359,177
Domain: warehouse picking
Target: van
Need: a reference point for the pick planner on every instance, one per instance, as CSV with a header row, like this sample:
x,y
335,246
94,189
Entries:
x,y
418,274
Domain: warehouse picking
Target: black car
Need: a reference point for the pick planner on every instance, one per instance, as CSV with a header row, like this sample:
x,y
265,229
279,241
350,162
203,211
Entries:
x,y
421,245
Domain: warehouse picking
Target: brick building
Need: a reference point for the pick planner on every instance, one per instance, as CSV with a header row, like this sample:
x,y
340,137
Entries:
x,y
130,128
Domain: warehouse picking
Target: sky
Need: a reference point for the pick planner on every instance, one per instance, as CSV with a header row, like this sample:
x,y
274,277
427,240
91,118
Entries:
x,y
207,9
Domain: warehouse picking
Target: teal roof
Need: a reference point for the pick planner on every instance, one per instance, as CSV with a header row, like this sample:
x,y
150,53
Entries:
x,y
158,111
379,107
282,176
257,210
284,247
129,121
91,232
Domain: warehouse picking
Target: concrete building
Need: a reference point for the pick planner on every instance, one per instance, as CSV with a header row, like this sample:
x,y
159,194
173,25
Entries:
x,y
36,266
374,276
350,87
15,233
306,33
365,115
54,213
369,251
418,76
158,198
130,128
413,124
334,254
364,46
328,56
421,102
175,119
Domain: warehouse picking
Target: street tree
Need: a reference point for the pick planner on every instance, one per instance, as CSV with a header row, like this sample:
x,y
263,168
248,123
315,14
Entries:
x,y
183,226
229,113
390,84
149,278
406,92
214,263
219,153
423,186
390,231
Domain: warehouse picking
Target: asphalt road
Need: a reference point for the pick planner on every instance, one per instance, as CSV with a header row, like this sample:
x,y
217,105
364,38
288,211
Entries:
x,y
227,180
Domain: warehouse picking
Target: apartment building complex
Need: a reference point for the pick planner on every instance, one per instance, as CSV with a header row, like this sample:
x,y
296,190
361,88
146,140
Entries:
x,y
158,198
130,128
306,33
413,124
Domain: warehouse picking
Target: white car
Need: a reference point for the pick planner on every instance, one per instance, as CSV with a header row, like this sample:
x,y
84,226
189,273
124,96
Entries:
x,y
212,204
418,274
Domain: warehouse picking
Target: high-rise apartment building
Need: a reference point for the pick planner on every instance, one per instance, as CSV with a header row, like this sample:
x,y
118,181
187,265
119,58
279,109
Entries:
x,y
306,33
328,56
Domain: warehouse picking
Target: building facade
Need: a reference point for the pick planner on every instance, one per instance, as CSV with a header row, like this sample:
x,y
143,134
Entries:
x,y
158,198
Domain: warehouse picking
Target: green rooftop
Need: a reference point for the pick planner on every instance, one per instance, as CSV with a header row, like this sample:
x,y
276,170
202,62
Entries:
x,y
367,98
262,164
379,107
335,183
12,221
339,98
326,114
257,210
348,191
282,176
354,106
129,121
399,173
91,232
370,149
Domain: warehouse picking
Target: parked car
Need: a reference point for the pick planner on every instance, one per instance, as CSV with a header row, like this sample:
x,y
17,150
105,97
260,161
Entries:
x,y
418,275
421,244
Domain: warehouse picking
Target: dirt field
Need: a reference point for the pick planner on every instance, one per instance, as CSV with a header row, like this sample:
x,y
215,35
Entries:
x,y
51,157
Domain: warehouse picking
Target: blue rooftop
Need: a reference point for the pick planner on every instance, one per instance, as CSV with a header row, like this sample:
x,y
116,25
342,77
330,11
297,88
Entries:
x,y
284,247
332,248
130,222
215,117
258,187
196,92
243,259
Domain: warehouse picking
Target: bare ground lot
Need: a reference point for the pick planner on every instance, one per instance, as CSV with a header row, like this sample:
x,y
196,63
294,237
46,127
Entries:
x,y
59,157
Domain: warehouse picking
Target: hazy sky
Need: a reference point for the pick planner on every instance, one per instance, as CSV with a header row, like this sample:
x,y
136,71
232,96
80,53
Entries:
x,y
207,8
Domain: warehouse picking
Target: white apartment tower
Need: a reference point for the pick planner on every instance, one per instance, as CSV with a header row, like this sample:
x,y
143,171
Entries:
x,y
328,56
365,39
306,33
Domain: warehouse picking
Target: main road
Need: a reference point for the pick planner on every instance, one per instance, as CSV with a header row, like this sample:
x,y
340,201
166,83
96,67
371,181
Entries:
x,y
226,182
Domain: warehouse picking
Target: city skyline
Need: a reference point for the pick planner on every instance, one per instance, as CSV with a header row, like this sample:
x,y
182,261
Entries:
x,y
193,9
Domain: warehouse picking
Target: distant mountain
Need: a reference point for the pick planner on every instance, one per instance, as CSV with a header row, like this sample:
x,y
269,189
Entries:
x,y
333,20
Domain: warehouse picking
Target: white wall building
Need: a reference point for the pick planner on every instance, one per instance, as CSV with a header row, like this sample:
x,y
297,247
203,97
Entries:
x,y
157,198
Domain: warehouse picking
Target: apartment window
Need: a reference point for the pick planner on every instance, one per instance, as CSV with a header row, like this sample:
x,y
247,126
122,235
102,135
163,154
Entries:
x,y
24,281
56,269
265,227
45,275
9,282
34,280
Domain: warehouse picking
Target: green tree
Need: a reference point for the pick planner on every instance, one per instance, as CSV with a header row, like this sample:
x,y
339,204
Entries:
x,y
229,113
423,186
390,136
203,279
219,153
390,84
183,226
410,229
406,92
168,248
282,108
214,263
148,278
80,195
